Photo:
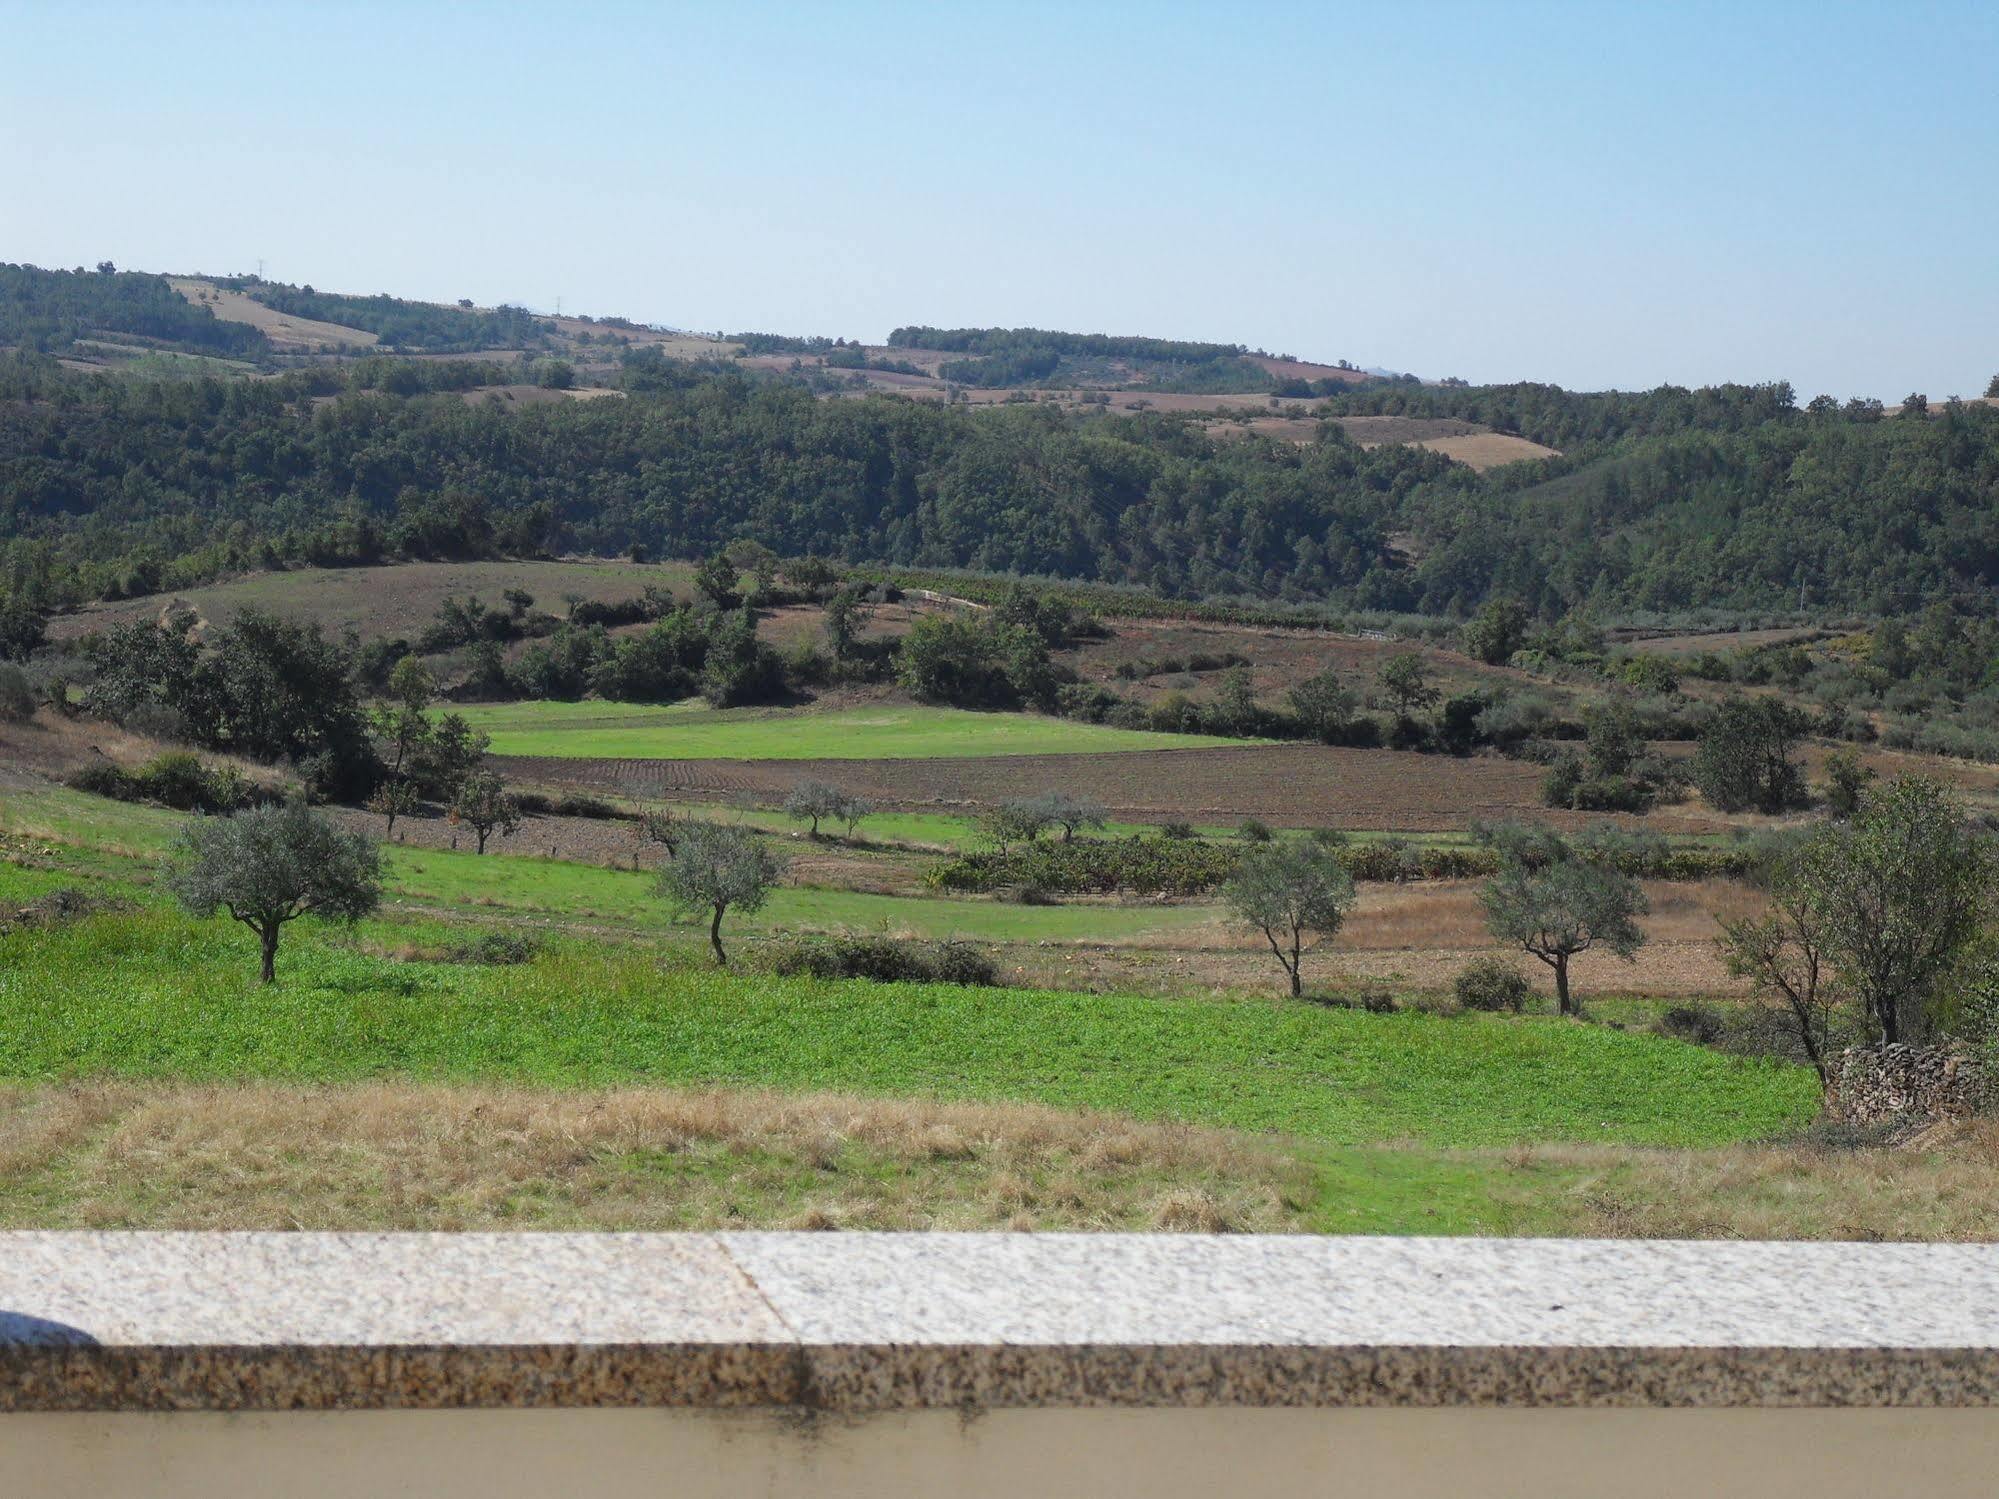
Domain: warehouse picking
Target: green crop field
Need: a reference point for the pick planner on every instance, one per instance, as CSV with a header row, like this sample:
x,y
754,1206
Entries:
x,y
692,731
123,841
148,993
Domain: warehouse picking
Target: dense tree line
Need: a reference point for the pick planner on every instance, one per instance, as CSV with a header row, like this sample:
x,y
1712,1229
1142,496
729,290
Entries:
x,y
429,326
49,311
1026,356
110,486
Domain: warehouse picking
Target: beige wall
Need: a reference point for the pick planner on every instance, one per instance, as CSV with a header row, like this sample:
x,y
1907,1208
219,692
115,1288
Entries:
x,y
682,1454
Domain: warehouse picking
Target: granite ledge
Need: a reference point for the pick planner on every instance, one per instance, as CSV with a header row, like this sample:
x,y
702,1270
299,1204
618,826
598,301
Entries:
x,y
857,1323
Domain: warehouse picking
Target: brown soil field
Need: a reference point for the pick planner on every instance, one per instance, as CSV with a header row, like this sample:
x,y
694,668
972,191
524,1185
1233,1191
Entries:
x,y
284,332
1410,937
1287,785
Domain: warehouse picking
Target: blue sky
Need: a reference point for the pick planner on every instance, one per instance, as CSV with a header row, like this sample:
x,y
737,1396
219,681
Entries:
x,y
1595,195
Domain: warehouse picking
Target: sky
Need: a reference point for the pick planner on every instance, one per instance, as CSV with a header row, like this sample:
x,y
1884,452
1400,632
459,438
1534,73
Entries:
x,y
1600,195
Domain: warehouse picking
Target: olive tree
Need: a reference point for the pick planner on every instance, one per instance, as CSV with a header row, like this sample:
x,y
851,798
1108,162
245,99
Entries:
x,y
814,800
1069,813
1285,890
268,866
486,806
1011,822
716,868
1555,900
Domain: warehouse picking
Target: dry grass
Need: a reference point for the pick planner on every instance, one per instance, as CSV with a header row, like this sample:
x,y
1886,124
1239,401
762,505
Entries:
x,y
283,330
1942,1185
406,1156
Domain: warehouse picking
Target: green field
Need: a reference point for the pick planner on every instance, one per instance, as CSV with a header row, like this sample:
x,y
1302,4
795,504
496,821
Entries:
x,y
693,731
122,841
150,994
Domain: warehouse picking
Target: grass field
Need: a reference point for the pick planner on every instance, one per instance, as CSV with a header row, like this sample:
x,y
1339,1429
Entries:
x,y
692,731
149,994
121,841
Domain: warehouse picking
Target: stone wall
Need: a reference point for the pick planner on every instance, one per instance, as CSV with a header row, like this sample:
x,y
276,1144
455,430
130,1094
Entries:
x,y
1905,1084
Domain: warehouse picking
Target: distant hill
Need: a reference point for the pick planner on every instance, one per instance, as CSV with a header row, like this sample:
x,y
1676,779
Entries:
x,y
55,311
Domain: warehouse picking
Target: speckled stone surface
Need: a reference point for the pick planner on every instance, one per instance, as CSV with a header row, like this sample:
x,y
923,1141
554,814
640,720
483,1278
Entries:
x,y
868,1322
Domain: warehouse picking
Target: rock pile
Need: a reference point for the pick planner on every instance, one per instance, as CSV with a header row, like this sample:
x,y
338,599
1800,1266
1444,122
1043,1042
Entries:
x,y
1906,1084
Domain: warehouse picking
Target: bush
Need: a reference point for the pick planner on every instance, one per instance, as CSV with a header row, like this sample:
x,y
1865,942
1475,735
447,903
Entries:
x,y
1696,1023
17,698
885,960
495,949
156,721
1253,830
1493,987
1176,830
177,779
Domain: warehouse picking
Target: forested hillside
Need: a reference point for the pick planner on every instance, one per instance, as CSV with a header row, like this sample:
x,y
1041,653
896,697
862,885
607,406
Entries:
x,y
1726,498
49,311
427,326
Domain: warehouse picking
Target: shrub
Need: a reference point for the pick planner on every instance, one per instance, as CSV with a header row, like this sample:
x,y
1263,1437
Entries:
x,y
885,960
102,778
156,721
1696,1023
17,698
1253,830
1176,830
1494,987
495,949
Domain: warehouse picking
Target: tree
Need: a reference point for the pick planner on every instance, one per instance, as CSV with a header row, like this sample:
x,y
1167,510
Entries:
x,y
1325,706
1403,680
1287,889
1743,759
1897,893
485,804
1915,404
442,759
1498,630
715,869
845,614
1783,955
740,667
1846,781
392,799
1992,389
271,865
852,810
1235,710
716,579
402,723
1556,900
756,559
1067,812
1011,822
814,800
